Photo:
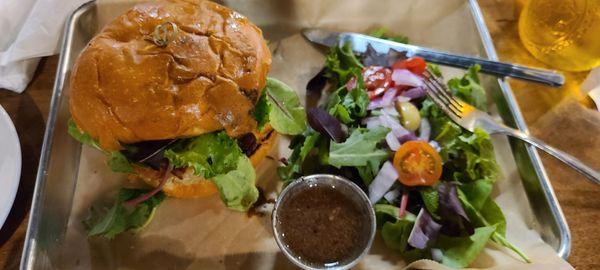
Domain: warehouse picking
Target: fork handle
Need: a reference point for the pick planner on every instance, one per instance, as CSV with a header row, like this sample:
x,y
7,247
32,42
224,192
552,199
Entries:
x,y
572,161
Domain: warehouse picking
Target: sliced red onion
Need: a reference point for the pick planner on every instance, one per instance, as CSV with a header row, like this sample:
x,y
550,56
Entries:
x,y
424,129
408,137
392,195
392,141
403,204
135,201
391,110
351,84
392,123
402,98
405,77
375,103
383,182
437,254
386,100
435,145
414,93
424,230
371,122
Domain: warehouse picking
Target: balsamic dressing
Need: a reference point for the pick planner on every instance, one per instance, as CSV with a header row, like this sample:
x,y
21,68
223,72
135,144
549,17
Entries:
x,y
322,226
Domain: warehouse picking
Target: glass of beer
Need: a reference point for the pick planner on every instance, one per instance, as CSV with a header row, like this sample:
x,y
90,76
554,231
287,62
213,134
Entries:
x,y
564,34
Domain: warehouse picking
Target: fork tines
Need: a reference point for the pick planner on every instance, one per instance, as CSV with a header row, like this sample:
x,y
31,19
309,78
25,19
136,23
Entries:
x,y
441,96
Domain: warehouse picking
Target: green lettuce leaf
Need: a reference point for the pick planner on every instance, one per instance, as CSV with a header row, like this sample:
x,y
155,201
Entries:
x,y
261,111
490,215
356,101
301,145
209,154
341,64
382,33
434,69
459,252
395,235
368,172
349,106
286,113
468,88
237,187
394,230
389,213
359,149
111,222
116,160
431,200
81,136
217,157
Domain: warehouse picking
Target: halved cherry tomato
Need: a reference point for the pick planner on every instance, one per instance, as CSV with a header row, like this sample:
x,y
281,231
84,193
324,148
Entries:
x,y
377,77
418,164
415,65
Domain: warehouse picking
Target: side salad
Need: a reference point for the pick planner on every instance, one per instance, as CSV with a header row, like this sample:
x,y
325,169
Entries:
x,y
428,179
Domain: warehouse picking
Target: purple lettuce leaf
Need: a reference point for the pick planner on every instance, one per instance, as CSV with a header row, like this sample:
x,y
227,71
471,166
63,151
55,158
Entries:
x,y
324,123
454,219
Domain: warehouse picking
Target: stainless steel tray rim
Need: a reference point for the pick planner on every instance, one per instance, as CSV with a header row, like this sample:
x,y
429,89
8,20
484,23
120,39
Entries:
x,y
31,244
564,248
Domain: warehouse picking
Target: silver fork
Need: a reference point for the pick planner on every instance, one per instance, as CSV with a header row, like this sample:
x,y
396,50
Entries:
x,y
470,117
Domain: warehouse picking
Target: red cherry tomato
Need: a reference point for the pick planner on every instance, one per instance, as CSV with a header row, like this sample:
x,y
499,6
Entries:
x,y
377,77
415,65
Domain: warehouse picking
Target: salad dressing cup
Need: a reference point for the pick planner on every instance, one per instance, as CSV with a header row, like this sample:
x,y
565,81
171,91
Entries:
x,y
323,221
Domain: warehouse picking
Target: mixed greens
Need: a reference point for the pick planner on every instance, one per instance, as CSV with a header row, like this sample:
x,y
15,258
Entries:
x,y
214,156
429,180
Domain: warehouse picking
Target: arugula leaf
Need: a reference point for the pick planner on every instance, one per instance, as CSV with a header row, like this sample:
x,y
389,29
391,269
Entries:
x,y
286,113
459,252
116,160
341,64
237,187
468,88
209,154
302,144
382,33
359,149
261,111
118,218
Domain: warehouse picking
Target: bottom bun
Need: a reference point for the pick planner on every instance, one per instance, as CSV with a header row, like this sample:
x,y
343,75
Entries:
x,y
193,186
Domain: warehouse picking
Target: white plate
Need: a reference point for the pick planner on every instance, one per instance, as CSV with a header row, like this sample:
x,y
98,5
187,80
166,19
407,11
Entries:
x,y
10,164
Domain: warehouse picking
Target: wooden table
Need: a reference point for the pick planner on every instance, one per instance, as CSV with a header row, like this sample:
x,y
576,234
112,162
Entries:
x,y
578,198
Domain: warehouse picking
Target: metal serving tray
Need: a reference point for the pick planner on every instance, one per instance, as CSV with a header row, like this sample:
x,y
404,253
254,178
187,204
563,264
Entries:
x,y
59,161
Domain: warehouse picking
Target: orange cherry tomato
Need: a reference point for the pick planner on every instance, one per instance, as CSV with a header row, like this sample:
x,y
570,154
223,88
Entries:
x,y
415,65
418,164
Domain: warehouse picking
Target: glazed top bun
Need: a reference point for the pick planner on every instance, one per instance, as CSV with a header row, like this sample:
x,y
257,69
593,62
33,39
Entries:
x,y
125,88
